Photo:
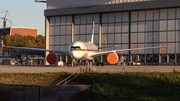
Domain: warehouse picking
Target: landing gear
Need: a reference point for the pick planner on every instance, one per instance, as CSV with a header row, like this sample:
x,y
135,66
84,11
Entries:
x,y
100,63
89,64
97,64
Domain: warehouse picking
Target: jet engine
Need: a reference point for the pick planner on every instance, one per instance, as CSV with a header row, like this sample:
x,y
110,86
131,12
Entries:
x,y
112,58
52,58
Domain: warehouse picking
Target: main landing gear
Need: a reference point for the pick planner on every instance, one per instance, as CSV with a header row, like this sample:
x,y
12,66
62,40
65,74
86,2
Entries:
x,y
100,63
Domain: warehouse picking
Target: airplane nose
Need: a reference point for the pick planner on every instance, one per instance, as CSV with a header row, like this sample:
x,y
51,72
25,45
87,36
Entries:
x,y
75,54
71,54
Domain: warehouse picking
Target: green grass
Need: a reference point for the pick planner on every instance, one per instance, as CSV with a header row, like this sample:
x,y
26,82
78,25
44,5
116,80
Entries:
x,y
131,87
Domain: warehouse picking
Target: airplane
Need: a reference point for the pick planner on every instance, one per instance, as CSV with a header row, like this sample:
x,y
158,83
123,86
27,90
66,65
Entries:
x,y
79,50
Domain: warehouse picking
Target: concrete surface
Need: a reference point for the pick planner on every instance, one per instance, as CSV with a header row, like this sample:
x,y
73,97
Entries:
x,y
109,68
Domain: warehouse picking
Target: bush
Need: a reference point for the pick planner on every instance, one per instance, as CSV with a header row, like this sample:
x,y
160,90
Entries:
x,y
133,86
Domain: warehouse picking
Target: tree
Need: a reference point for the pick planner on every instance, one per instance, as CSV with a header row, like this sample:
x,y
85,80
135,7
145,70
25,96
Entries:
x,y
23,41
40,40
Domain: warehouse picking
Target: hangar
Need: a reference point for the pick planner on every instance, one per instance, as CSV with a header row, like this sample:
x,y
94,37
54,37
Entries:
x,y
126,23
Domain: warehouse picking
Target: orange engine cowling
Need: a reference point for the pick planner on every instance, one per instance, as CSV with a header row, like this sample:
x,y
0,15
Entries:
x,y
52,58
112,58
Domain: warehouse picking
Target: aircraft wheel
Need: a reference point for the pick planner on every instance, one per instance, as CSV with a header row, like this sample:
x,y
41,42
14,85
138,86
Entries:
x,y
97,64
102,64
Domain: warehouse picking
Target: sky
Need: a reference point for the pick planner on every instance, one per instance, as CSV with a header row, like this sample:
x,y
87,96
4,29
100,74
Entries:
x,y
24,13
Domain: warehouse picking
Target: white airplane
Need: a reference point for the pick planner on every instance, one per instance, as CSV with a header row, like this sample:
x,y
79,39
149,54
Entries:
x,y
79,50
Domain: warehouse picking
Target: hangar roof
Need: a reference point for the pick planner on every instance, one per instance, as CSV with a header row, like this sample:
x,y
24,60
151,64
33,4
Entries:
x,y
113,7
56,4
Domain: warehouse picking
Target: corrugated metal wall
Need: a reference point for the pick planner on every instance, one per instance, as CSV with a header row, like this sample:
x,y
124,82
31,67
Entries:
x,y
148,28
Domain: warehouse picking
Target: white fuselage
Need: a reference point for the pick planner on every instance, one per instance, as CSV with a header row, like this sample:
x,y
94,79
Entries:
x,y
81,50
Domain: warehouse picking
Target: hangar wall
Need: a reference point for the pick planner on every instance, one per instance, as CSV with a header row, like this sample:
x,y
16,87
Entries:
x,y
127,29
60,32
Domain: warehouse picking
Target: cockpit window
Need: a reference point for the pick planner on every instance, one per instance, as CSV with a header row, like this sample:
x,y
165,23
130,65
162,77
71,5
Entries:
x,y
75,47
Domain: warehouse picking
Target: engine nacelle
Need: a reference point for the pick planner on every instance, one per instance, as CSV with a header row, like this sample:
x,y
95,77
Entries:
x,y
52,58
112,58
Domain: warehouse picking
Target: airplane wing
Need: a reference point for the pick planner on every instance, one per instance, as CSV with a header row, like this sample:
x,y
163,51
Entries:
x,y
122,50
28,48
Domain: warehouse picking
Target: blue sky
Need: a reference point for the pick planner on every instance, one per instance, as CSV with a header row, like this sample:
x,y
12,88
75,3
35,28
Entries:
x,y
24,13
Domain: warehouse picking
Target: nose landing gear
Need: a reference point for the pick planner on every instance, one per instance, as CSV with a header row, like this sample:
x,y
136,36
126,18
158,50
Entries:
x,y
89,64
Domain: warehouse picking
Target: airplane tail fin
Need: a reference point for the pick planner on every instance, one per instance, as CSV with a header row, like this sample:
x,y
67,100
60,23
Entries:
x,y
92,37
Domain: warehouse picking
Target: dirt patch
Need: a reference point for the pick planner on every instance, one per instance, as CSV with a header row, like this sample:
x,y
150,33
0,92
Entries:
x,y
32,78
28,80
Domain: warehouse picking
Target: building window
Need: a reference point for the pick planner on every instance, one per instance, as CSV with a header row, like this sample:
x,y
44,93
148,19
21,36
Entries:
x,y
164,58
156,58
172,58
149,58
178,58
142,58
134,58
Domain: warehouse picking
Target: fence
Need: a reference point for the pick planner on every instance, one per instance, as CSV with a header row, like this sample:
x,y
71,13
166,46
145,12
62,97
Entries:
x,y
41,92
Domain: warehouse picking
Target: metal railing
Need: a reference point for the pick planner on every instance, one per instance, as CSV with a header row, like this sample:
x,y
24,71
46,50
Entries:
x,y
70,78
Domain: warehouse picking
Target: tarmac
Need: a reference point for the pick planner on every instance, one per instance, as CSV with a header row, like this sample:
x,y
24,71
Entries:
x,y
106,68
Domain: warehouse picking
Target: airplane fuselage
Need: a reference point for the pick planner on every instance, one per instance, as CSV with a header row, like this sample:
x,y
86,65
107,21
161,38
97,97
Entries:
x,y
81,50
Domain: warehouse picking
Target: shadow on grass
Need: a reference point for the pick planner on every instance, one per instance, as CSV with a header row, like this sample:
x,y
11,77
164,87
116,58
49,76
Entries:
x,y
131,87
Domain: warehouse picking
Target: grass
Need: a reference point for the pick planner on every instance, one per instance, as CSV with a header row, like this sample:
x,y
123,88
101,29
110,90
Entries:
x,y
132,87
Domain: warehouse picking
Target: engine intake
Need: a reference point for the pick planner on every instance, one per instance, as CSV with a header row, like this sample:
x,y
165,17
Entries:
x,y
52,58
112,58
